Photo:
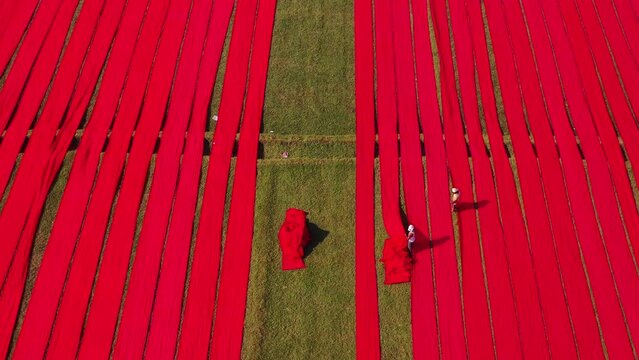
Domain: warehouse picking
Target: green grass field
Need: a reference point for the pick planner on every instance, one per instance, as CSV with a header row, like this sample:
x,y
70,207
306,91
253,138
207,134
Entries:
x,y
309,112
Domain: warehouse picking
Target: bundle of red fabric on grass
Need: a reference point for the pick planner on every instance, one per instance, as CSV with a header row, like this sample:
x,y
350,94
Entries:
x,y
294,236
397,260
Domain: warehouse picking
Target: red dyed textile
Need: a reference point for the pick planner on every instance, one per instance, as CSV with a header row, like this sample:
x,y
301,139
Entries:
x,y
293,236
228,327
162,338
109,286
367,340
200,300
39,71
524,283
387,121
451,327
41,311
397,260
75,299
424,327
477,319
504,317
21,21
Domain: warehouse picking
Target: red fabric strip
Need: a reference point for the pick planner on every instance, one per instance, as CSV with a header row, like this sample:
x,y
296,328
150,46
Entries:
x,y
477,320
541,238
577,290
367,340
23,208
576,287
136,313
622,116
601,22
18,23
502,303
41,311
47,50
618,251
524,283
451,327
74,301
630,23
387,123
200,302
108,292
424,318
231,307
601,281
162,338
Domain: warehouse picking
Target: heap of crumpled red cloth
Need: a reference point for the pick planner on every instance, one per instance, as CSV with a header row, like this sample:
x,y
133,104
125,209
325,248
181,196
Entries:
x,y
397,260
294,236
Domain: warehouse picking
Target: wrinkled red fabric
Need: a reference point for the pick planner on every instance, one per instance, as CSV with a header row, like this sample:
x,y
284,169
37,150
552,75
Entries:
x,y
367,340
397,260
293,236
478,326
22,19
133,58
228,327
200,300
451,327
594,252
163,334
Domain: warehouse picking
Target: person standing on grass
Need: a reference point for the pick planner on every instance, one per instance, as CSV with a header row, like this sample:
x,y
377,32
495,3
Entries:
x,y
454,197
411,237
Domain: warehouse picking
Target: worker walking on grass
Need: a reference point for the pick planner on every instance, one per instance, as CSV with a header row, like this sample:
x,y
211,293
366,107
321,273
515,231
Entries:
x,y
454,197
411,237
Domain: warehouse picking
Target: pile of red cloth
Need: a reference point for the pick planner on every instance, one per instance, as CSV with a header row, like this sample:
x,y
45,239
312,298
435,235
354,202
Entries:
x,y
294,236
397,260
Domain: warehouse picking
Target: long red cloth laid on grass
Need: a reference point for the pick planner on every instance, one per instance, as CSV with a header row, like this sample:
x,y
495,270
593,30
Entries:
x,y
387,124
41,311
608,40
566,245
502,302
477,319
617,247
39,78
21,21
525,288
541,237
39,72
23,208
585,324
163,333
424,318
619,254
451,327
74,301
138,303
616,100
109,285
630,24
228,326
200,301
367,339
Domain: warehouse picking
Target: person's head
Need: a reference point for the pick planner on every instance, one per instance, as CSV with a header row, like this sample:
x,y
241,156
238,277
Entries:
x,y
411,228
454,191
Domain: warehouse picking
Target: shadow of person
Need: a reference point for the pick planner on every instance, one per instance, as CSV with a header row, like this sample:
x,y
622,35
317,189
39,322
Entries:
x,y
439,241
317,237
471,205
